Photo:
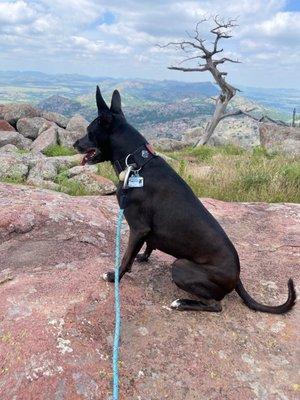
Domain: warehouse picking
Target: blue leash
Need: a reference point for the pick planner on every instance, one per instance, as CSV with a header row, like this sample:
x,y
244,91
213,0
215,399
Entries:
x,y
117,308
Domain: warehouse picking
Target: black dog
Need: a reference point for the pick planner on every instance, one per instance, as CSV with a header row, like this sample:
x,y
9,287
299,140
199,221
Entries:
x,y
165,214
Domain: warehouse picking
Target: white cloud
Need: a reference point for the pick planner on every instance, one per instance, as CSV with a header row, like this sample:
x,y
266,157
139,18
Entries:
x,y
98,46
17,12
120,37
283,25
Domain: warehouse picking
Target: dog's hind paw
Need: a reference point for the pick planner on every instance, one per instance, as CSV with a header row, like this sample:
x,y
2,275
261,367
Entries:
x,y
109,276
176,304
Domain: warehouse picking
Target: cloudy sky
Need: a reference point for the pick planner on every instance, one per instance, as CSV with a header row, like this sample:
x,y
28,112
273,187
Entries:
x,y
119,38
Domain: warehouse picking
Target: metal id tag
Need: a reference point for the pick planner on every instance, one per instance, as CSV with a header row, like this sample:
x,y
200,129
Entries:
x,y
136,181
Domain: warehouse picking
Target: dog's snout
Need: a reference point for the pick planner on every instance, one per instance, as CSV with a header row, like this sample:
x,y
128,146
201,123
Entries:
x,y
75,145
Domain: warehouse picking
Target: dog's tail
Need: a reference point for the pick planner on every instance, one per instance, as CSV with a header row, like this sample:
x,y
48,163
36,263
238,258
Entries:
x,y
254,305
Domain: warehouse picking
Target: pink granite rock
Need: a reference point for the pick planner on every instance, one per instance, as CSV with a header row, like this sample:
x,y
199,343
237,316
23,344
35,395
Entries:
x,y
57,314
14,112
45,139
5,126
30,127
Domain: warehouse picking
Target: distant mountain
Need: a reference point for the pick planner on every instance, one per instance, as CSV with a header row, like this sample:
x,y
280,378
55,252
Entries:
x,y
60,104
161,108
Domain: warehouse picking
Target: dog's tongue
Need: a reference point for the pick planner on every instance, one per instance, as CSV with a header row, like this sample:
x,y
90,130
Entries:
x,y
84,160
87,157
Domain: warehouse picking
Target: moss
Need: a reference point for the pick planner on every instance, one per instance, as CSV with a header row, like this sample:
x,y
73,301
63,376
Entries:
x,y
57,150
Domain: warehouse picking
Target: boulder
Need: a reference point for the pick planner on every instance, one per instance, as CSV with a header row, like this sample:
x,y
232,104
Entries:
x,y
10,137
78,123
57,314
44,169
44,140
59,119
79,169
67,137
12,167
5,126
47,125
66,161
30,127
42,183
9,148
14,112
241,132
280,138
93,183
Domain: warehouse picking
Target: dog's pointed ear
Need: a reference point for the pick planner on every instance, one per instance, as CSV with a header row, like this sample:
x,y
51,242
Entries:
x,y
101,105
115,106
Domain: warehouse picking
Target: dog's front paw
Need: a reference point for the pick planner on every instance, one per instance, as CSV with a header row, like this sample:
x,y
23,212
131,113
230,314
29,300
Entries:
x,y
142,258
109,276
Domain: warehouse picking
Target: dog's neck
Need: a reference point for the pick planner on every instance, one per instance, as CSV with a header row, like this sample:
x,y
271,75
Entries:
x,y
125,140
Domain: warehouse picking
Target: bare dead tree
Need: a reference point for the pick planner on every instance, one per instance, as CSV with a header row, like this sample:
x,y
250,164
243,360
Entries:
x,y
197,49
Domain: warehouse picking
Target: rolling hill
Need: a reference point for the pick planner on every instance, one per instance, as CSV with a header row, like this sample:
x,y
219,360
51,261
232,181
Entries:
x,y
168,107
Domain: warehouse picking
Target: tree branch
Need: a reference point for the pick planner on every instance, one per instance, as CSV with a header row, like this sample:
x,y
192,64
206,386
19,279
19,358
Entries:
x,y
202,69
239,112
247,114
190,58
182,45
224,59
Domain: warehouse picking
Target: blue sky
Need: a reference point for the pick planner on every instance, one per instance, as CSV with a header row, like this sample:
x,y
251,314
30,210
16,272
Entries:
x,y
119,38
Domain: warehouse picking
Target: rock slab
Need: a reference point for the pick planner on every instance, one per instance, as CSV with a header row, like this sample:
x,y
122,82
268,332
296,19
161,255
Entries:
x,y
57,314
280,138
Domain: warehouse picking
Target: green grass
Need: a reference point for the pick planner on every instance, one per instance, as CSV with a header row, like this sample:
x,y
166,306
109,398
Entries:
x,y
15,179
72,188
205,153
57,150
105,169
232,174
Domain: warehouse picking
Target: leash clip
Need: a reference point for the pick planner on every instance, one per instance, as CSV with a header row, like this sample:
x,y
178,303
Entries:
x,y
127,175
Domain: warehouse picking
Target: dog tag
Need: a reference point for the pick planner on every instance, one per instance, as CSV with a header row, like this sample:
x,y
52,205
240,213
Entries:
x,y
135,181
122,176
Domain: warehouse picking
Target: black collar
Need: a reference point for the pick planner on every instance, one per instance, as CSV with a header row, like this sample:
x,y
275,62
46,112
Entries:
x,y
137,159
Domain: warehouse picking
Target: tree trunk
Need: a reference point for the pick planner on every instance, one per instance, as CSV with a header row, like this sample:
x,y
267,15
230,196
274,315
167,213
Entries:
x,y
221,106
